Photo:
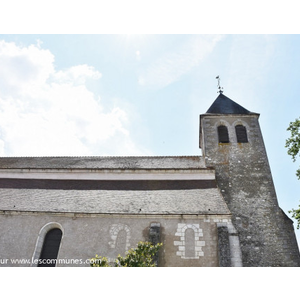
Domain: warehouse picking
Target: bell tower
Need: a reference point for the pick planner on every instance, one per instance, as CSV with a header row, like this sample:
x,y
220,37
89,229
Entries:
x,y
232,143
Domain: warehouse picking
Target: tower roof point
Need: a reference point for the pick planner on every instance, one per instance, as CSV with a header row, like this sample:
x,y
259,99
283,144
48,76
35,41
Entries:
x,y
224,105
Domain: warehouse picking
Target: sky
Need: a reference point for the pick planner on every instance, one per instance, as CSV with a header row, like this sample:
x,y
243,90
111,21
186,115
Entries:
x,y
142,94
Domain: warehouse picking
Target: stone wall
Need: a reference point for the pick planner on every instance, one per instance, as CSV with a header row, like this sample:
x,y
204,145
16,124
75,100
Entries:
x,y
243,174
187,240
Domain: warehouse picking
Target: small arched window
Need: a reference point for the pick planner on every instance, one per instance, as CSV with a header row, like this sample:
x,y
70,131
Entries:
x,y
50,248
190,243
121,242
241,134
223,134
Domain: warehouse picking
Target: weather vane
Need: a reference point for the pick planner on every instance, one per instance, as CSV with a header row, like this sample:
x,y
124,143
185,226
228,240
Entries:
x,y
219,87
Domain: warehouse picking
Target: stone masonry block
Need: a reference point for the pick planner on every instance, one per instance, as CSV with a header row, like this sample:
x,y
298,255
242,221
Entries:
x,y
180,225
200,243
177,243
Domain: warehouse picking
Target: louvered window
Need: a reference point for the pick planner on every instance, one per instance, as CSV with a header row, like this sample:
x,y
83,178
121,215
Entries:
x,y
241,134
50,248
223,134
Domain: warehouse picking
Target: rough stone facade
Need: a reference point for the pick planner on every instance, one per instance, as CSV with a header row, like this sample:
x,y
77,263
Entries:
x,y
244,177
216,210
85,235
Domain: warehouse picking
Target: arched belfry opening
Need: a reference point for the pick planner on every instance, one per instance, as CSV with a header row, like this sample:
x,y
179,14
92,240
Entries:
x,y
241,134
223,134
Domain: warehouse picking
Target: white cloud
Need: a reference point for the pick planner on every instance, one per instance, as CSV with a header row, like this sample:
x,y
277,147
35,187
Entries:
x,y
48,112
77,75
23,66
170,67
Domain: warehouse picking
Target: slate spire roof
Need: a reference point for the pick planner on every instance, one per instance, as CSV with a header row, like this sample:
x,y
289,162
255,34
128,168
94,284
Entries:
x,y
224,105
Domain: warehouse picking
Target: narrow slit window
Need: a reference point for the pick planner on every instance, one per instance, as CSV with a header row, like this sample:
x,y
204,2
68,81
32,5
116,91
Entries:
x,y
50,248
223,134
241,134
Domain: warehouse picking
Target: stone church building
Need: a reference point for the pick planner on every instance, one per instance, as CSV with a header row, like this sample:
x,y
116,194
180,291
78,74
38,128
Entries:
x,y
218,209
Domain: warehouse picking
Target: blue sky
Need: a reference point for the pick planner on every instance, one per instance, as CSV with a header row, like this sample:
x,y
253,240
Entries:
x,y
141,94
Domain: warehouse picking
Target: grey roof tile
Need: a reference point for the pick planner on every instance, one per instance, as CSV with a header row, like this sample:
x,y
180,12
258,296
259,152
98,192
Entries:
x,y
193,201
224,105
98,162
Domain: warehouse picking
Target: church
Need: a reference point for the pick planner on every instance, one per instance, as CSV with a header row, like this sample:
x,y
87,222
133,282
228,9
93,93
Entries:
x,y
215,210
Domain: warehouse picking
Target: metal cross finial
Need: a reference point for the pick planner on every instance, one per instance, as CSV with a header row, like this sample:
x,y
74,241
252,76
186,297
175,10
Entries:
x,y
219,87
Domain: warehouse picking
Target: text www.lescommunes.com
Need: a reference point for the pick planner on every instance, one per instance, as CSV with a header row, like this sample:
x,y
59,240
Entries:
x,y
60,261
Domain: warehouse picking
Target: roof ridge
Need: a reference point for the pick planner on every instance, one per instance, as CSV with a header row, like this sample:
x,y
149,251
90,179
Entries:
x,y
108,156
